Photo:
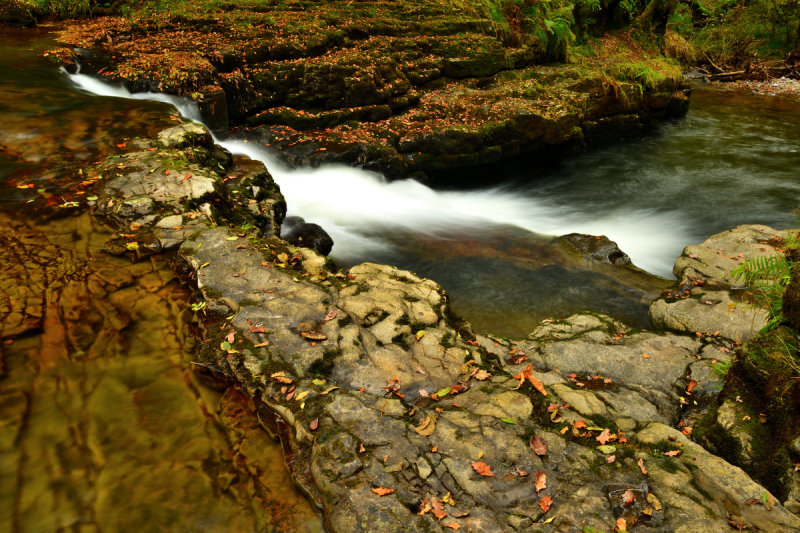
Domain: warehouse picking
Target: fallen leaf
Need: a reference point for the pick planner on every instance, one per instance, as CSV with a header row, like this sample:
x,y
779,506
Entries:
x,y
447,498
314,425
437,508
622,524
482,375
607,449
330,315
673,453
538,385
280,377
420,334
646,356
611,458
579,424
313,335
482,468
540,481
652,500
628,498
538,445
382,491
640,462
426,427
452,525
545,503
517,471
604,437
692,384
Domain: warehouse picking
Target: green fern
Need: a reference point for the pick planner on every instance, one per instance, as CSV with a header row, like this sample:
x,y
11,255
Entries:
x,y
768,276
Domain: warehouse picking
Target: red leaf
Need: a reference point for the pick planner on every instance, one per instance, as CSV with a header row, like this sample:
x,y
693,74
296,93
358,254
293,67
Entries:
x,y
187,176
545,503
482,468
382,491
538,445
315,424
692,384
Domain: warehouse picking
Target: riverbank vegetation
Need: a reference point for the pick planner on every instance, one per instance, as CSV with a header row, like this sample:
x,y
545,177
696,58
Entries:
x,y
749,39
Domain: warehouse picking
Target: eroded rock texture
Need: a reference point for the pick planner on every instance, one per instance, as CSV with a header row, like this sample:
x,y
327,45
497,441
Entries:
x,y
395,413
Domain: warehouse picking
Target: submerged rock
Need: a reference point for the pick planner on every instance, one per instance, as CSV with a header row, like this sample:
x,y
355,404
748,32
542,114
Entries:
x,y
599,249
308,235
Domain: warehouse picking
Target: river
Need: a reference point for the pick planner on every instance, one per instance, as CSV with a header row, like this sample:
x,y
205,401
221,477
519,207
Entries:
x,y
87,420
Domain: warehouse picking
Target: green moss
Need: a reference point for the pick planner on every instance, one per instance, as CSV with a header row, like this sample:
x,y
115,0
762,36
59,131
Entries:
x,y
211,292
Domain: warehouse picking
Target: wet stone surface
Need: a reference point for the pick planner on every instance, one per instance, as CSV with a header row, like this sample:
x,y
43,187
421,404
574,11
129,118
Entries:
x,y
105,427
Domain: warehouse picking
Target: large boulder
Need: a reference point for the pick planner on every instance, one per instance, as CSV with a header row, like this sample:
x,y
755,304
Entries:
x,y
707,298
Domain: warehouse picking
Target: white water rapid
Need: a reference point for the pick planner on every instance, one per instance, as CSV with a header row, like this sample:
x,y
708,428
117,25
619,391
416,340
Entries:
x,y
355,206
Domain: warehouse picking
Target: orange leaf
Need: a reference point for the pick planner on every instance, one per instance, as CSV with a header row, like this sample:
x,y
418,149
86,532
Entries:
x,y
382,491
545,503
580,424
314,425
640,462
540,481
538,445
692,384
482,468
538,385
604,437
437,508
673,453
622,524
628,498
452,525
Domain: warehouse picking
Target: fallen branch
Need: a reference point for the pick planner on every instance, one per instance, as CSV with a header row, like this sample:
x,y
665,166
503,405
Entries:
x,y
726,74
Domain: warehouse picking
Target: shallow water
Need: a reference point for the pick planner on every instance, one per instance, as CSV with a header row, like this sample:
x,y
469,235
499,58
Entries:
x,y
105,427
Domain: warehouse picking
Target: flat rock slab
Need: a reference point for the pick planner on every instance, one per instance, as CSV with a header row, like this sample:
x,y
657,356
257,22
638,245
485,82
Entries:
x,y
703,302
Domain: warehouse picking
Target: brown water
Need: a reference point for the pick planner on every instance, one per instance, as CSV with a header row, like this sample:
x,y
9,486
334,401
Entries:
x,y
103,424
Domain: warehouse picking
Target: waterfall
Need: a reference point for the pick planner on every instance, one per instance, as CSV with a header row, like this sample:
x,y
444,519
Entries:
x,y
356,206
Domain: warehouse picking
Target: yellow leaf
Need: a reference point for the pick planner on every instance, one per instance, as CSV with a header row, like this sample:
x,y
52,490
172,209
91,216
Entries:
x,y
427,426
420,334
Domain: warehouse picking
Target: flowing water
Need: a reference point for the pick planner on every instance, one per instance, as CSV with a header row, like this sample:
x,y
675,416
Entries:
x,y
733,160
106,420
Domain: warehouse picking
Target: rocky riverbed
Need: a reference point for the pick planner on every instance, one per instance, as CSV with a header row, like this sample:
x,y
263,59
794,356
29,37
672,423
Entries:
x,y
395,415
